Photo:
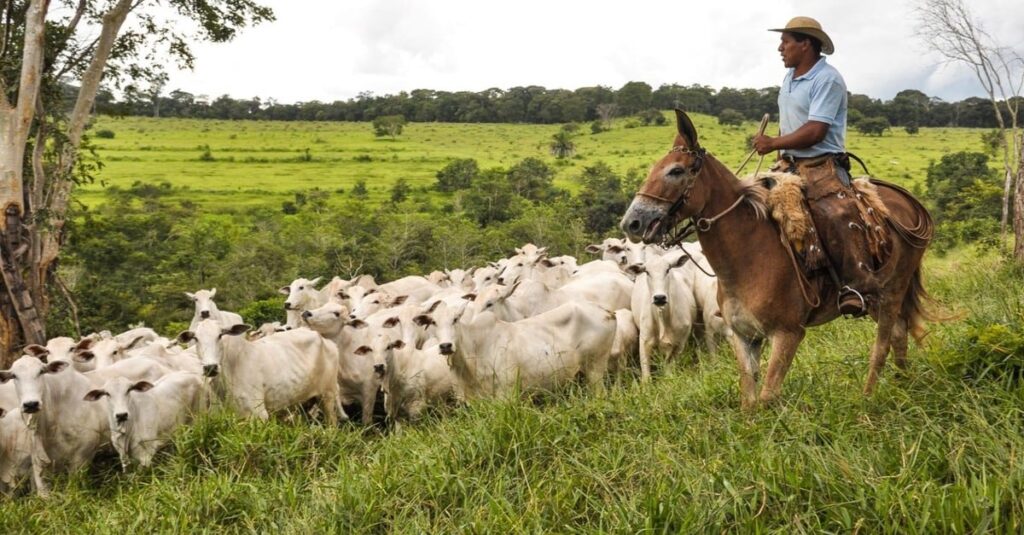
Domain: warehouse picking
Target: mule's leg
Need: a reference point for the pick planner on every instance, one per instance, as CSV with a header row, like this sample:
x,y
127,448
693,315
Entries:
x,y
899,344
784,346
748,357
887,311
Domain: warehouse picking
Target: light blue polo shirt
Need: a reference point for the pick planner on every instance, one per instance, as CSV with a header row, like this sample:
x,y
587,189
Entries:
x,y
818,95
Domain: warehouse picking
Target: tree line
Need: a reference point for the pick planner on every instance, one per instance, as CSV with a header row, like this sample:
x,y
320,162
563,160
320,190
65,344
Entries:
x,y
536,104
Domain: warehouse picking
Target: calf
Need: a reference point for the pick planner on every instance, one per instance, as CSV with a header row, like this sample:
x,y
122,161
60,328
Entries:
x,y
663,307
272,373
412,379
15,442
142,415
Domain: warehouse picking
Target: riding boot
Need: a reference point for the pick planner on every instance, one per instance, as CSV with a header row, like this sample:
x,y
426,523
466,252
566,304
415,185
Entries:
x,y
857,280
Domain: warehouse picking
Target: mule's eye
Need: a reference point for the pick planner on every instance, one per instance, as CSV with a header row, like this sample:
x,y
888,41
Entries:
x,y
676,171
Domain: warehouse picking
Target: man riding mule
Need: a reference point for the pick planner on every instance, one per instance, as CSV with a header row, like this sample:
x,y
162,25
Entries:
x,y
763,291
812,126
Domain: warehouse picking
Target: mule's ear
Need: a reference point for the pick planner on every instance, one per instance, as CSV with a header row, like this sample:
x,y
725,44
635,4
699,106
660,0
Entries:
x,y
140,386
686,129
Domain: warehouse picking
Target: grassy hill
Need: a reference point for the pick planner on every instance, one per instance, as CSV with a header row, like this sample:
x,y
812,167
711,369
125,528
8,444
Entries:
x,y
254,162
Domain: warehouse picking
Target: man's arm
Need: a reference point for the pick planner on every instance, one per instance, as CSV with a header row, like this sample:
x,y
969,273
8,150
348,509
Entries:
x,y
807,135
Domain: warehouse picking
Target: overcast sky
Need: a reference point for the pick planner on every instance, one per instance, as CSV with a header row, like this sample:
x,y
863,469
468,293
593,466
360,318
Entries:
x,y
334,49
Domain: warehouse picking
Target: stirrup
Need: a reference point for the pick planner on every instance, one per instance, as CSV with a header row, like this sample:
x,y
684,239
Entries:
x,y
844,298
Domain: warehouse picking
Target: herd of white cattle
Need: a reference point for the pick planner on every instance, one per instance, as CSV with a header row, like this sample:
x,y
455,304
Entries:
x,y
522,324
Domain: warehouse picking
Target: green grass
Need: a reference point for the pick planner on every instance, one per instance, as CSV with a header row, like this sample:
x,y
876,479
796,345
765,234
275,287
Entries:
x,y
259,162
930,452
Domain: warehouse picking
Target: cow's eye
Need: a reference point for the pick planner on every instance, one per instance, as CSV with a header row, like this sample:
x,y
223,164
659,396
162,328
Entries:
x,y
302,287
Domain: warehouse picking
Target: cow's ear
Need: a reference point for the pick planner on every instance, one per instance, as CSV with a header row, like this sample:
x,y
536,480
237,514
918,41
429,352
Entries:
x,y
133,343
5,376
615,249
284,290
236,330
37,351
141,386
593,249
95,395
469,297
391,322
3,412
636,269
315,281
55,367
370,291
682,260
547,263
399,300
84,344
213,292
433,307
190,295
362,350
185,337
84,356
397,344
358,324
423,320
342,295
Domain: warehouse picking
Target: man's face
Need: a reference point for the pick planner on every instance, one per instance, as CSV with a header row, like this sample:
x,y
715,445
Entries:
x,y
792,50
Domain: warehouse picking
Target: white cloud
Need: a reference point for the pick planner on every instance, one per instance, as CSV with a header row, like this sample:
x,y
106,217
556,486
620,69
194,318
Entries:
x,y
328,50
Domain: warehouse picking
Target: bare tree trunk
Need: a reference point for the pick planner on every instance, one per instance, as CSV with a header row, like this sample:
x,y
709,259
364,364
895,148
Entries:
x,y
1018,207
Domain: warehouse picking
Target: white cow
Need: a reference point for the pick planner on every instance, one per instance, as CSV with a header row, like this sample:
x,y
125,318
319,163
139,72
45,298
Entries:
x,y
663,307
627,340
15,442
610,291
356,379
142,415
491,357
303,295
272,373
413,379
67,433
417,289
207,309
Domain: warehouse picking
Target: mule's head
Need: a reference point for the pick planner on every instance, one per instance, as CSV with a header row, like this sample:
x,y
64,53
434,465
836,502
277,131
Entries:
x,y
669,193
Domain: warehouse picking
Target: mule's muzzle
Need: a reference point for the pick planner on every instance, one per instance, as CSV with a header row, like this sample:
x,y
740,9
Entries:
x,y
642,221
211,370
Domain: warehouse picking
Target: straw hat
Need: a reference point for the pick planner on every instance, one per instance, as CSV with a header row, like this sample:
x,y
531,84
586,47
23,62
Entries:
x,y
808,26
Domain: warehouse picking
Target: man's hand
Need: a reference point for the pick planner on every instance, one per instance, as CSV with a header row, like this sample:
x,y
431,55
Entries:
x,y
764,144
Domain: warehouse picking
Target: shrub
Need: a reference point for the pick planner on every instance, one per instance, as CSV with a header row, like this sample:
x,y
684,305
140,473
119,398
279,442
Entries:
x,y
389,125
730,117
458,174
873,126
359,189
105,134
597,127
912,129
207,154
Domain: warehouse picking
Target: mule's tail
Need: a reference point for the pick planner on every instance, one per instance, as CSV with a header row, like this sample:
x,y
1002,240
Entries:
x,y
918,308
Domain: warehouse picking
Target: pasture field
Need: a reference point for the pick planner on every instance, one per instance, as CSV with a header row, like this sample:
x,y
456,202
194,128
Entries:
x,y
938,450
255,162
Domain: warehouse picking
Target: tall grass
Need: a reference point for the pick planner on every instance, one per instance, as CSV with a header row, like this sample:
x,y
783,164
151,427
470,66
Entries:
x,y
932,451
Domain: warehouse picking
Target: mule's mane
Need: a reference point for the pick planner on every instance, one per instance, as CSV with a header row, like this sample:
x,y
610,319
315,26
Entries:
x,y
752,189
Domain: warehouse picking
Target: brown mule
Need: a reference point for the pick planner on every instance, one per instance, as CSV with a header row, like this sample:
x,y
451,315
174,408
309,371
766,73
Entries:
x,y
760,292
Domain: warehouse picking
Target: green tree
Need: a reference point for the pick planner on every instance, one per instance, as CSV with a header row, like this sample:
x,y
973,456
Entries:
x,y
561,145
633,97
912,128
532,179
601,201
653,116
457,174
873,126
960,185
389,125
400,191
730,117
359,190
491,199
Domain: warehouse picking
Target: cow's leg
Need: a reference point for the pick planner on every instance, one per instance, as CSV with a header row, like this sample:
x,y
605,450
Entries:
x,y
39,463
784,346
887,311
748,356
595,372
369,401
646,345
